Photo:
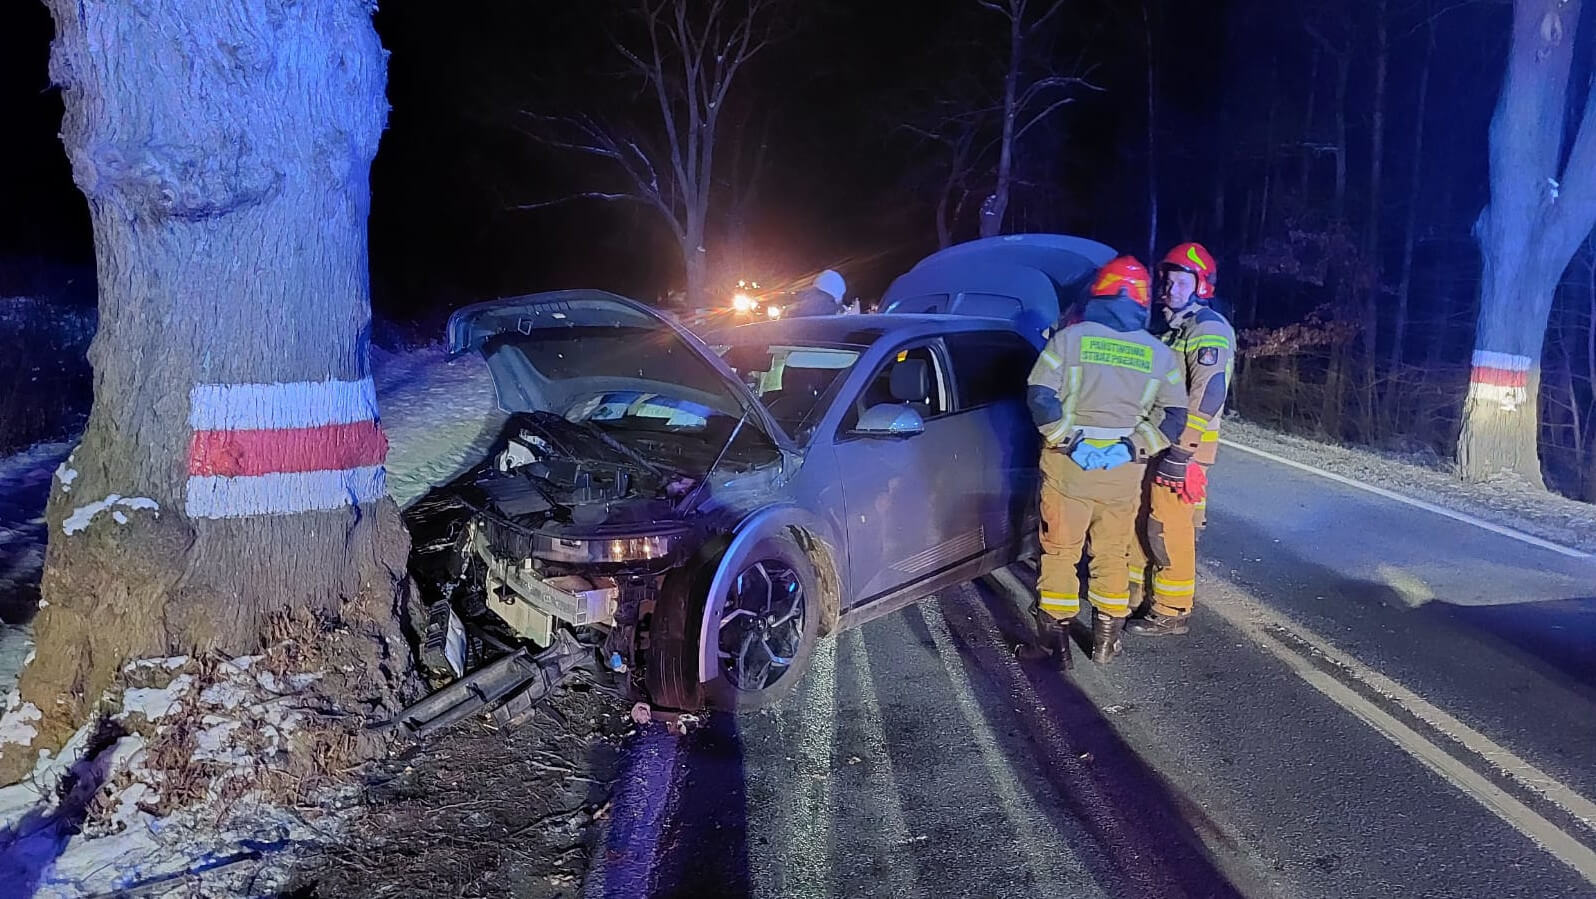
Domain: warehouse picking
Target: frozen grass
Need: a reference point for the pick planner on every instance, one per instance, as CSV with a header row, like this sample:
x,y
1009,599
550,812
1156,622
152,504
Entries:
x,y
1504,500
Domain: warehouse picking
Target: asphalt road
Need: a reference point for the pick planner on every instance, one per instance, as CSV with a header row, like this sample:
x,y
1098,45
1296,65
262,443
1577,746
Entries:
x,y
1374,701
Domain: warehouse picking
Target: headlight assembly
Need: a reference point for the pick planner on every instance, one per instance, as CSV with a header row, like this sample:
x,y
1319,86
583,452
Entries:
x,y
609,550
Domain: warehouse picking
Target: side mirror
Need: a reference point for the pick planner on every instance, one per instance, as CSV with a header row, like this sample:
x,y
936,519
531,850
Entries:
x,y
890,420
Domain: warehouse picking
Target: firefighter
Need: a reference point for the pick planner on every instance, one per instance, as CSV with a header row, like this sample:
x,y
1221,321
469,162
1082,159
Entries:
x,y
1177,507
1107,397
823,297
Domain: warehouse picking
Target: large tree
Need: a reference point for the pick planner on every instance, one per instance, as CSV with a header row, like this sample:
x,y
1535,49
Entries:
x,y
228,490
1542,205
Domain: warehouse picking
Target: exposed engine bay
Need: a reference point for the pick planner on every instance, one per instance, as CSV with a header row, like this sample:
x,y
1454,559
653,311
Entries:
x,y
572,530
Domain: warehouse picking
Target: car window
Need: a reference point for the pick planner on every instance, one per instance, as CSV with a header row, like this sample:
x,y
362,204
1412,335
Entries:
x,y
989,366
936,302
878,390
790,381
990,305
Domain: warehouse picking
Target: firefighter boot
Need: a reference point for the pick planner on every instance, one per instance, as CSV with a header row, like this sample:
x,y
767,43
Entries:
x,y
1052,642
1105,637
1141,603
1157,624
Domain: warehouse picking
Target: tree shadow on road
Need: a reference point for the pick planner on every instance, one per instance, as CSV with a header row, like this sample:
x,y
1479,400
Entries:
x,y
1149,831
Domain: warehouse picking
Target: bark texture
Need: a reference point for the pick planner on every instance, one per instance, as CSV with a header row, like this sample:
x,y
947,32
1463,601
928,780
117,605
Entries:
x,y
224,151
1542,207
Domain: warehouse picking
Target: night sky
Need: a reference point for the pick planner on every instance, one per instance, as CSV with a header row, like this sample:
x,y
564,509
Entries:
x,y
841,186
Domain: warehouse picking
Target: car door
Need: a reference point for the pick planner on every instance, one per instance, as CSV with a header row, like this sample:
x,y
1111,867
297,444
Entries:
x,y
906,496
990,369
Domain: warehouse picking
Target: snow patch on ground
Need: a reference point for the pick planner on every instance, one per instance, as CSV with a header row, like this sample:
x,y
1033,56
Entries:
x,y
1506,500
216,730
155,703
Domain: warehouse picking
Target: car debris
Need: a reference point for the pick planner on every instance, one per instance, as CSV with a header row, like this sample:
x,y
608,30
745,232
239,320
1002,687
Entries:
x,y
511,686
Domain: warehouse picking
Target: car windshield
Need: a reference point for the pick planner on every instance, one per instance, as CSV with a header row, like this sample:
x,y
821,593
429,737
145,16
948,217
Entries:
x,y
641,409
791,380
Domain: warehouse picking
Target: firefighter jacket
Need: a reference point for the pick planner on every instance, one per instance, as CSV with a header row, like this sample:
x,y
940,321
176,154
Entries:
x,y
1206,346
1105,379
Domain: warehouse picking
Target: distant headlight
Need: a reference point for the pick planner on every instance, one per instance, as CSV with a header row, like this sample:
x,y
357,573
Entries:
x,y
742,302
615,549
773,311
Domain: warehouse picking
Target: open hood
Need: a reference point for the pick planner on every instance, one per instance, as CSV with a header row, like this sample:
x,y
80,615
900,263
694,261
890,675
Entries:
x,y
549,351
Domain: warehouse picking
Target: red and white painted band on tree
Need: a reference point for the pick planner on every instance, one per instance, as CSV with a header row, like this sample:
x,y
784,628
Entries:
x,y
1500,378
280,449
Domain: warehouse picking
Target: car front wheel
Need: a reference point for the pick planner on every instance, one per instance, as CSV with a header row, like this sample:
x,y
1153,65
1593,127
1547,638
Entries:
x,y
760,641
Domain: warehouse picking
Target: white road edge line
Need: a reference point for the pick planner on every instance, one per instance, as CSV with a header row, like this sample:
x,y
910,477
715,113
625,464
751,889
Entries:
x,y
1251,619
1038,844
1463,517
879,773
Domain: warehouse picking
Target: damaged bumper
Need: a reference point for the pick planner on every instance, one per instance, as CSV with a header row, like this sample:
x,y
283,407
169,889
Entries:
x,y
533,604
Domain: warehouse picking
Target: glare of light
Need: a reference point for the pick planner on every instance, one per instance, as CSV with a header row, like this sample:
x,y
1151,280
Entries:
x,y
773,311
742,302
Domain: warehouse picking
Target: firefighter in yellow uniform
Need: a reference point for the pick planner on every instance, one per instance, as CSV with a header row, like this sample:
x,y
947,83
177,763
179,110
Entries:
x,y
1164,558
1107,397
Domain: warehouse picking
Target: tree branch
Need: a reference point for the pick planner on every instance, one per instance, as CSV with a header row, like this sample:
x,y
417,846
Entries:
x,y
1040,116
585,195
1057,5
1575,212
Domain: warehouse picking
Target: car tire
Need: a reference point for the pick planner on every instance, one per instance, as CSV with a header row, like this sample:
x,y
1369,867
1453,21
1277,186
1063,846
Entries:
x,y
777,561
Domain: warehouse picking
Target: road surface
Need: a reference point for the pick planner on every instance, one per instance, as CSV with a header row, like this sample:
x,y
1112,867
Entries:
x,y
1375,700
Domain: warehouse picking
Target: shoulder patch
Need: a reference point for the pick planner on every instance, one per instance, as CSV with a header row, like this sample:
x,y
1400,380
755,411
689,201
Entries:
x,y
1208,355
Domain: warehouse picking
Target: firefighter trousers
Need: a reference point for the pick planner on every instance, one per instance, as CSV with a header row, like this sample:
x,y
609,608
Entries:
x,y
1163,557
1078,505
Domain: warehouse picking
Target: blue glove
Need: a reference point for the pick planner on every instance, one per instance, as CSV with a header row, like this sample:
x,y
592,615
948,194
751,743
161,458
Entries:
x,y
1114,456
1087,456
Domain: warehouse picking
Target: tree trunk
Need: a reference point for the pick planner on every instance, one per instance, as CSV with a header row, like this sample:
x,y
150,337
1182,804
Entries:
x,y
1527,234
1399,327
1500,416
1371,245
230,479
1152,136
996,207
1343,76
1310,111
695,270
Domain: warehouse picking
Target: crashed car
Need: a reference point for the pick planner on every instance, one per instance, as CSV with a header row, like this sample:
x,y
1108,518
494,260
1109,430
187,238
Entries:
x,y
699,512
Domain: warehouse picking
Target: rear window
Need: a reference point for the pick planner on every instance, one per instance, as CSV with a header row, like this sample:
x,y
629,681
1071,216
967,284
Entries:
x,y
989,305
936,302
989,366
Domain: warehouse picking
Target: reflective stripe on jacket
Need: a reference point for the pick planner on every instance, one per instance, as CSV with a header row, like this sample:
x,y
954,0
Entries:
x,y
1206,345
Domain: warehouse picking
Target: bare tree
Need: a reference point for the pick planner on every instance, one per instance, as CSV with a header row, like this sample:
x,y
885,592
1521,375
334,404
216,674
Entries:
x,y
1399,327
1542,206
687,56
229,485
1027,100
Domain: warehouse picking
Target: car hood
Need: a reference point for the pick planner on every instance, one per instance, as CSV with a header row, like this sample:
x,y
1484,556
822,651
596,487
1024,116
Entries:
x,y
548,351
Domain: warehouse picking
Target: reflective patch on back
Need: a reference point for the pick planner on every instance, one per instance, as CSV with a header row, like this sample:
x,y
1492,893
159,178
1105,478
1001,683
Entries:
x,y
1118,353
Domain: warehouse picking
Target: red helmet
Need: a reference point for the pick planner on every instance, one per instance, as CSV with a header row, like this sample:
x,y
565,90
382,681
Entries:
x,y
1124,276
1194,258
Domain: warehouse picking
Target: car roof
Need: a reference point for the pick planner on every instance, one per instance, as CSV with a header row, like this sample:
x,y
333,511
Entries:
x,y
857,330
